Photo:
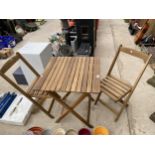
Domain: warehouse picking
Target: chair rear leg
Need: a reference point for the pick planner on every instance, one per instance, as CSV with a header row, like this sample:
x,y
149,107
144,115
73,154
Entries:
x,y
98,97
121,101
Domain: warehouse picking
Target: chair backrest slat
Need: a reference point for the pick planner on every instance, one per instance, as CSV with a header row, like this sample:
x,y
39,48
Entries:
x,y
146,57
135,53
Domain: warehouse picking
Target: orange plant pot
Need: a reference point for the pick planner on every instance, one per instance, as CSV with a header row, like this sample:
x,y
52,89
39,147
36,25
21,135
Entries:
x,y
100,130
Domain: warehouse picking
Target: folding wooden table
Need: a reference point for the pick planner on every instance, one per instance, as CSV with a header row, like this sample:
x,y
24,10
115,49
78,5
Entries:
x,y
69,74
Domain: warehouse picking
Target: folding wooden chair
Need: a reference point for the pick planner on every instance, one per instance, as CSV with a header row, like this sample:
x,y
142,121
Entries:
x,y
116,89
39,98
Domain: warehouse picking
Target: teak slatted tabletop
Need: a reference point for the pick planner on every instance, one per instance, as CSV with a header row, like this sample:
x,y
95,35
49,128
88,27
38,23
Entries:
x,y
69,74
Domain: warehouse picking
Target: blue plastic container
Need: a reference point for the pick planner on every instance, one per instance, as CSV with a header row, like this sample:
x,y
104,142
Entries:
x,y
7,42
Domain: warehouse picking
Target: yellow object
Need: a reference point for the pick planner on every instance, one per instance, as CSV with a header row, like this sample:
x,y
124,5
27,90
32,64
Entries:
x,y
99,130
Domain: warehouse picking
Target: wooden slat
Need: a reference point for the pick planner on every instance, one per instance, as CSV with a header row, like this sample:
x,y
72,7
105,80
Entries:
x,y
43,77
57,74
63,73
121,81
114,93
125,86
45,93
112,87
39,93
30,88
35,92
135,53
77,73
109,94
72,74
79,83
96,75
85,79
68,74
90,75
54,74
115,85
51,73
9,63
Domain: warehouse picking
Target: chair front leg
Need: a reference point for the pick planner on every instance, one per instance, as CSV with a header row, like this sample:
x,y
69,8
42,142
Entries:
x,y
119,114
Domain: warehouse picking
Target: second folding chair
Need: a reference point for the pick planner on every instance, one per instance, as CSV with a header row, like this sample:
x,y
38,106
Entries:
x,y
115,88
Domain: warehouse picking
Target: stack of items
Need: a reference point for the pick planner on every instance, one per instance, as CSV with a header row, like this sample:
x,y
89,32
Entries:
x,y
5,102
40,22
98,130
148,41
5,53
149,49
57,41
27,25
84,50
14,108
134,26
7,42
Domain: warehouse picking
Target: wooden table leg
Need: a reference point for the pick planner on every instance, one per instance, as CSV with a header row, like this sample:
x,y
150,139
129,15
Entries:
x,y
71,109
76,103
91,97
63,98
89,110
51,106
66,95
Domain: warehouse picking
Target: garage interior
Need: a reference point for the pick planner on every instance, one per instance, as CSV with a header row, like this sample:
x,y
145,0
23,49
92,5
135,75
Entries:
x,y
107,36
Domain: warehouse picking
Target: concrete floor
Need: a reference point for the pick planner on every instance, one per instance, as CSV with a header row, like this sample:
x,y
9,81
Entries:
x,y
134,120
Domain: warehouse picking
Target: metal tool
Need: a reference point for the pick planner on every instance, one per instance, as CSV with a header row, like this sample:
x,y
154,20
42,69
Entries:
x,y
14,109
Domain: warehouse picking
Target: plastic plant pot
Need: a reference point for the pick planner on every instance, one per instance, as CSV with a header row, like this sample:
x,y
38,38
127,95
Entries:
x,y
71,132
84,131
100,130
59,131
36,130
